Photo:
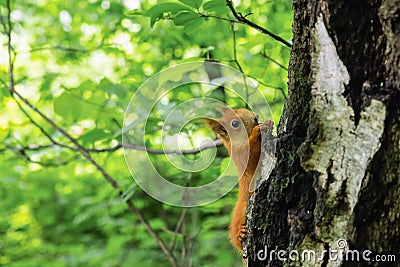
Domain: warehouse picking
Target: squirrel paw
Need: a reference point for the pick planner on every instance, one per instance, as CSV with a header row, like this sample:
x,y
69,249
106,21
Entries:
x,y
268,125
242,234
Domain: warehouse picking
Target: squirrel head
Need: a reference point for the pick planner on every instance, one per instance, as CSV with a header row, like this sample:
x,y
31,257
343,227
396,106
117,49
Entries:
x,y
234,127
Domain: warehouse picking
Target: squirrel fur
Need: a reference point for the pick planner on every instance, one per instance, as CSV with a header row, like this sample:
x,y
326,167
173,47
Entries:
x,y
240,133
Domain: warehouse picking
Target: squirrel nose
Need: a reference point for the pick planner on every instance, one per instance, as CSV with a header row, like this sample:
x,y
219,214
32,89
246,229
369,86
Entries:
x,y
256,117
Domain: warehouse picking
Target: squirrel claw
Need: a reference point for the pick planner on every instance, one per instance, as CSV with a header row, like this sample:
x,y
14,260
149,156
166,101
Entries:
x,y
267,125
242,233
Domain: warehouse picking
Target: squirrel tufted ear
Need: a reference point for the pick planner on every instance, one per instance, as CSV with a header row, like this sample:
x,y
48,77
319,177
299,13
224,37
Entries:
x,y
215,126
225,109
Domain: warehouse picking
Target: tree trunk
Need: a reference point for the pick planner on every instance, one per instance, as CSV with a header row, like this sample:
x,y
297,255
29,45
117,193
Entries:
x,y
335,187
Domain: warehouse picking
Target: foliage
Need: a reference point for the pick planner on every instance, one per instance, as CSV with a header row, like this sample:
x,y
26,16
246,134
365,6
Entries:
x,y
79,63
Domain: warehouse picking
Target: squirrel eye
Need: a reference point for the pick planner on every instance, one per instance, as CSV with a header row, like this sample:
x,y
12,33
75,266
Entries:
x,y
235,124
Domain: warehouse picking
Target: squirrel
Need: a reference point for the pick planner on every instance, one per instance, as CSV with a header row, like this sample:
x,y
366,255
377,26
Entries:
x,y
240,133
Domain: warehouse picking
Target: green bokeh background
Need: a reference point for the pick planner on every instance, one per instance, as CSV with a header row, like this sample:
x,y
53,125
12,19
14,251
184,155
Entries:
x,y
80,62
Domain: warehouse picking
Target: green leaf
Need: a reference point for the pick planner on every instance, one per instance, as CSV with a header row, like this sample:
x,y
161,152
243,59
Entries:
x,y
3,92
154,19
227,168
165,7
128,193
224,164
49,78
185,17
67,106
193,25
192,3
72,108
113,89
135,12
93,136
214,5
157,11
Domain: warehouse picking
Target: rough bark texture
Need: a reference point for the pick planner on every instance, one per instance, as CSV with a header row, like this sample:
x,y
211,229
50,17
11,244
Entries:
x,y
336,181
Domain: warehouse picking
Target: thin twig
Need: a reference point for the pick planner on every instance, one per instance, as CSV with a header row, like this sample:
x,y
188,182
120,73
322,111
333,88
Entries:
x,y
42,130
273,60
177,228
148,227
257,80
47,164
193,151
238,64
7,30
177,151
184,243
219,18
3,83
26,148
243,20
274,87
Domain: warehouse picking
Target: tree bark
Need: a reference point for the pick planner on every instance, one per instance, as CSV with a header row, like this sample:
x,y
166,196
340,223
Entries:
x,y
335,185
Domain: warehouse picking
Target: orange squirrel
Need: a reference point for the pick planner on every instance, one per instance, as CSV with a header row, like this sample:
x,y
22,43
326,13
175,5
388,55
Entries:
x,y
240,133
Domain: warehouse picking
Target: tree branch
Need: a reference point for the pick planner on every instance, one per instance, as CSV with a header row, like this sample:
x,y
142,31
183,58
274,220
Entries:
x,y
177,228
235,59
177,151
273,60
11,53
217,142
42,130
242,19
23,153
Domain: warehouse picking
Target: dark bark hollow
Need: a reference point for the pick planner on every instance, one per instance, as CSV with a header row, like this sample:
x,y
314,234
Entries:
x,y
338,152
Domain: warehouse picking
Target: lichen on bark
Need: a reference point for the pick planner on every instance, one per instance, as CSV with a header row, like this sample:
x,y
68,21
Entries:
x,y
342,149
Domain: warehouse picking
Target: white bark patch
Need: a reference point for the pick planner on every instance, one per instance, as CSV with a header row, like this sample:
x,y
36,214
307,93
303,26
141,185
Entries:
x,y
268,157
342,150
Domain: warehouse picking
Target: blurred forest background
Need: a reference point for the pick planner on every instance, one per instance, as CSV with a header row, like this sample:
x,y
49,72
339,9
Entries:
x,y
68,70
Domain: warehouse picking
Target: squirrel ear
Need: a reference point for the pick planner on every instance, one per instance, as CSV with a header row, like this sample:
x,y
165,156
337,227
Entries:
x,y
225,109
215,126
